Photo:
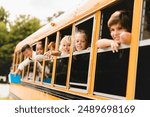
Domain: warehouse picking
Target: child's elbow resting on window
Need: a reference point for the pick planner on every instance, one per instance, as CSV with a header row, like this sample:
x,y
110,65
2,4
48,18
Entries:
x,y
103,43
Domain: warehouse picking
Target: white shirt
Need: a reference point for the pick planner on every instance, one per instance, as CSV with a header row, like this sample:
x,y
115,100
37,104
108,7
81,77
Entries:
x,y
29,60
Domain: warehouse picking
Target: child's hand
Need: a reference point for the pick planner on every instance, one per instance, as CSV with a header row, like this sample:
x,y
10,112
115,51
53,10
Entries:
x,y
48,54
89,48
125,38
114,46
16,72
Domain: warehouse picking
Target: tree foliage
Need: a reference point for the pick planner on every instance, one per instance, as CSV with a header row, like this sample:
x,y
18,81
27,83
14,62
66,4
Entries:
x,y
11,34
3,15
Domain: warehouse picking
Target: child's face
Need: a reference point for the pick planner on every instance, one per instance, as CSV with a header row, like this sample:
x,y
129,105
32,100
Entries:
x,y
116,30
80,42
65,47
27,53
39,49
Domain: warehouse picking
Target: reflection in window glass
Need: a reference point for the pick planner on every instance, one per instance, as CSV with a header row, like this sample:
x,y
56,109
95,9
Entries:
x,y
143,73
48,71
146,32
111,72
61,71
79,70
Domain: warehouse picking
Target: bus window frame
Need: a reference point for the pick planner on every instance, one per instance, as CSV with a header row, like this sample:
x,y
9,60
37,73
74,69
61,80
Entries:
x,y
58,39
142,42
83,52
123,46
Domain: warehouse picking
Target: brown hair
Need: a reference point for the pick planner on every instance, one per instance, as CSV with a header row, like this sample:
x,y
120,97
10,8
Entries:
x,y
27,46
123,18
51,44
80,31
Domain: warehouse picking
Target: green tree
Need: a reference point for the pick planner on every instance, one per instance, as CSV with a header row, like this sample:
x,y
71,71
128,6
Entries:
x,y
23,26
3,33
3,15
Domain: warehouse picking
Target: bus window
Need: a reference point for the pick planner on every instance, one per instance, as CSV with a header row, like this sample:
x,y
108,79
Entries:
x,y
30,68
14,64
62,61
49,62
34,47
40,45
25,75
38,71
81,55
142,78
17,60
112,68
146,21
30,71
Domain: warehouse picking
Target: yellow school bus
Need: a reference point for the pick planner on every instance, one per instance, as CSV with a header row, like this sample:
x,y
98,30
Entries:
x,y
94,73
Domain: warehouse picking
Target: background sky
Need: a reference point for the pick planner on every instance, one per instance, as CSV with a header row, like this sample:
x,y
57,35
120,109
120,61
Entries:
x,y
38,8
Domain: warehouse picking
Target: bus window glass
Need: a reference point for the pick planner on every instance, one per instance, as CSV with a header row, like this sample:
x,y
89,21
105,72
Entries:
x,y
146,21
49,62
112,68
62,61
81,55
142,77
40,45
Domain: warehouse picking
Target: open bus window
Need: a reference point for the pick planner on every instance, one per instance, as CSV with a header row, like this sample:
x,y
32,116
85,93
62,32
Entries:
x,y
142,76
81,56
48,71
146,21
30,71
17,60
38,71
39,47
25,72
112,68
21,60
49,63
62,61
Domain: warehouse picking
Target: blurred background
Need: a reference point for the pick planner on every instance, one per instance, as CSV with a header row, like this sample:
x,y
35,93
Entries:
x,y
19,19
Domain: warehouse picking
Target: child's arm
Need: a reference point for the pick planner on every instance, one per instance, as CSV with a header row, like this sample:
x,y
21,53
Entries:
x,y
105,43
55,53
125,38
17,71
52,53
22,65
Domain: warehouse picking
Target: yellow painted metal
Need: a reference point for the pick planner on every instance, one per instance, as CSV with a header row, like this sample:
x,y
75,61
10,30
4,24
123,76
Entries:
x,y
70,57
43,65
94,53
134,49
54,63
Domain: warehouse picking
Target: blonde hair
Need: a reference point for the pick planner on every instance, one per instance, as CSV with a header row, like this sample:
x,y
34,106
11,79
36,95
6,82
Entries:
x,y
84,33
66,39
